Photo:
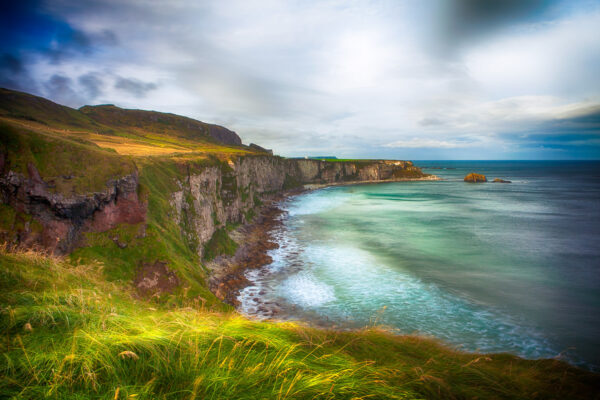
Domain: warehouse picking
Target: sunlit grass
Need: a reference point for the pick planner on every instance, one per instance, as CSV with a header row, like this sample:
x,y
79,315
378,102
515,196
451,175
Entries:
x,y
132,141
69,333
130,147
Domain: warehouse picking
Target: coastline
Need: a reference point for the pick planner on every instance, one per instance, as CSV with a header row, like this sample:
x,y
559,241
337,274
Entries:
x,y
255,239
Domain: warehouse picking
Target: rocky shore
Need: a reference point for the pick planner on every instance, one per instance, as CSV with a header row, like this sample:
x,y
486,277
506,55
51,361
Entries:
x,y
255,239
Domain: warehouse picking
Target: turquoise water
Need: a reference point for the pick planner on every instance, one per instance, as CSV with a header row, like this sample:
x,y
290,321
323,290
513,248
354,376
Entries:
x,y
491,267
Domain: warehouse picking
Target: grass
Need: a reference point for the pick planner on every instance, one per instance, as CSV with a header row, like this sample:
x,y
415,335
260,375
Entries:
x,y
135,133
219,243
69,333
69,166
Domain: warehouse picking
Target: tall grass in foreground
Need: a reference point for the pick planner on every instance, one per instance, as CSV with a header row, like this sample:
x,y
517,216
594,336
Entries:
x,y
68,333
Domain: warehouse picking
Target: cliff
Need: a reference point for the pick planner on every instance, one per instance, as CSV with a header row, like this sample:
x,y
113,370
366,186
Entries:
x,y
215,194
147,193
227,193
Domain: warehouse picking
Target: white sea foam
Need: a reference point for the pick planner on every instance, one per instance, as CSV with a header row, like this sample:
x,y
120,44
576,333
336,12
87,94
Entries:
x,y
305,290
317,202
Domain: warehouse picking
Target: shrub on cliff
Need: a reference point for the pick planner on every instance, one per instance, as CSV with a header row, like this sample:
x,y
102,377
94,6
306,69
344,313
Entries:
x,y
220,243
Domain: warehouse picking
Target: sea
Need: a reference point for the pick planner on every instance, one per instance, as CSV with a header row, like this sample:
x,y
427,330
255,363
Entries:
x,y
489,267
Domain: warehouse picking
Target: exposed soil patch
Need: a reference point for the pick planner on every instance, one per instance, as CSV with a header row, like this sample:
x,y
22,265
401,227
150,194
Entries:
x,y
154,279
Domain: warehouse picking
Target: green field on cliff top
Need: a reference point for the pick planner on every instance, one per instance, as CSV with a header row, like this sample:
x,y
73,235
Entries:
x,y
74,327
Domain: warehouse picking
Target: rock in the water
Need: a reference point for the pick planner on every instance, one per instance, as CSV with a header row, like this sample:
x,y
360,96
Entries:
x,y
473,178
498,180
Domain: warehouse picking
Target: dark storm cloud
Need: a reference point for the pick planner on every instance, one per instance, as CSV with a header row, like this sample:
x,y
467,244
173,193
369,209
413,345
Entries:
x,y
134,86
466,21
91,85
61,89
31,35
28,27
580,131
11,64
585,123
72,43
14,74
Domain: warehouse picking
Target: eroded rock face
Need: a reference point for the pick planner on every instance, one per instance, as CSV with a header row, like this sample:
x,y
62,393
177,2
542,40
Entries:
x,y
228,193
475,178
316,171
63,218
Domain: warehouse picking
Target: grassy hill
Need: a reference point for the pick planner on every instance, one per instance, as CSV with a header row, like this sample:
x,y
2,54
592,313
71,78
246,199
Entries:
x,y
76,327
128,132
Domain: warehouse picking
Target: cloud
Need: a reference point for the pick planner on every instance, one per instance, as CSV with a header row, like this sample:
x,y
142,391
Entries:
x,y
70,43
61,88
431,121
348,78
92,84
464,21
13,74
134,86
558,58
430,143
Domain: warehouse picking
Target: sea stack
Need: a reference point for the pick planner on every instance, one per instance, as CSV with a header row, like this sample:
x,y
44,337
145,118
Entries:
x,y
474,178
498,180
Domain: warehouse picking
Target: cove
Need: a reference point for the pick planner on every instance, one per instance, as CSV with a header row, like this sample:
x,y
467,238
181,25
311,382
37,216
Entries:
x,y
488,267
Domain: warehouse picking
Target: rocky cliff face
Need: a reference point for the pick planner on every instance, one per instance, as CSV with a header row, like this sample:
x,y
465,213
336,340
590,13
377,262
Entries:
x,y
228,193
54,221
219,194
326,172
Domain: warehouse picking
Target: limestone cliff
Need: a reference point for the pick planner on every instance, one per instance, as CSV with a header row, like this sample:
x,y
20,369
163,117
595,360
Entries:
x,y
229,192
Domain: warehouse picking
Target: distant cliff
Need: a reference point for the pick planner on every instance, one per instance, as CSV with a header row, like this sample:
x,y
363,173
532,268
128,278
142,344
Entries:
x,y
228,192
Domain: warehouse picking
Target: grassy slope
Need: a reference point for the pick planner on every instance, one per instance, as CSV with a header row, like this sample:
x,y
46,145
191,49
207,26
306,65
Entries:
x,y
163,239
83,312
69,333
63,144
70,164
127,132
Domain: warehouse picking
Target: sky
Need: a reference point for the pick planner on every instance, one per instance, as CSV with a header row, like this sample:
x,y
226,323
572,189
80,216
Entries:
x,y
414,79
